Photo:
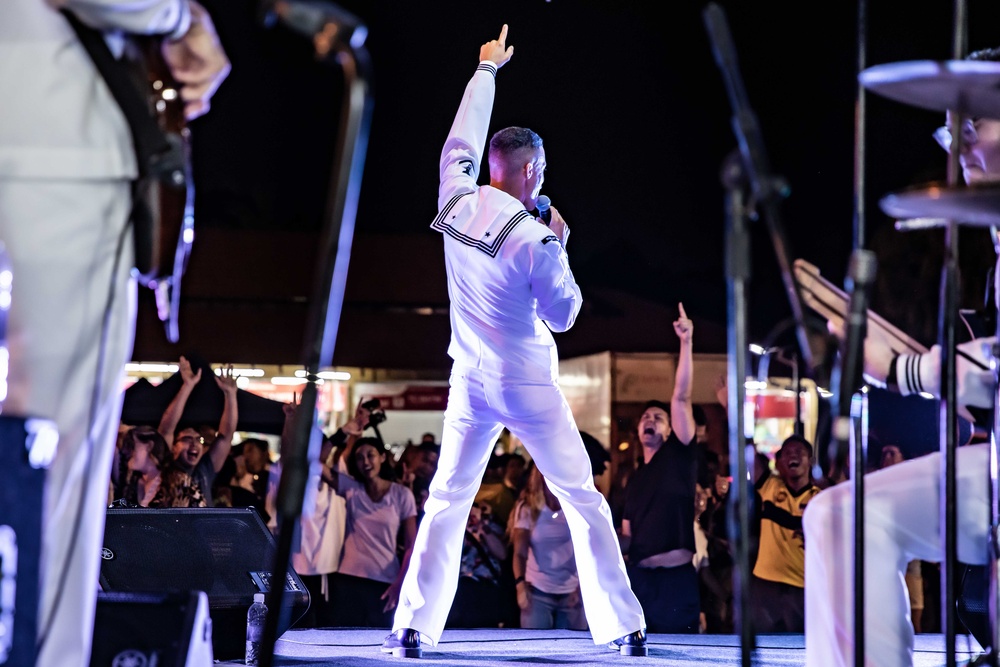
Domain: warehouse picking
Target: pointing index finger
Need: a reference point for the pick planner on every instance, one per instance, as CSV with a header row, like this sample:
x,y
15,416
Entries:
x,y
503,34
680,307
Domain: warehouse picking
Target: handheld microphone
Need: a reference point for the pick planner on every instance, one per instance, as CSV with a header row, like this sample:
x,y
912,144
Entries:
x,y
543,203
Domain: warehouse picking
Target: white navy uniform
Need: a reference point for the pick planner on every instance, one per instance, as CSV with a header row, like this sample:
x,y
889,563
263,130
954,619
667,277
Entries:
x,y
66,162
902,523
510,286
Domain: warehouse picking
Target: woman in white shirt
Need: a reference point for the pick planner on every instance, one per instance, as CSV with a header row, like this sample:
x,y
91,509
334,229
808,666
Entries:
x,y
548,587
381,514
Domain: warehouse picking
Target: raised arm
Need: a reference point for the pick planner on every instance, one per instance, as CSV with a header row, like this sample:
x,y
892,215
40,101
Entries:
x,y
175,410
496,50
219,450
340,443
681,409
908,374
462,155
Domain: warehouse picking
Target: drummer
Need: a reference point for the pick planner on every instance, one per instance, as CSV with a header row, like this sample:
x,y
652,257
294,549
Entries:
x,y
902,502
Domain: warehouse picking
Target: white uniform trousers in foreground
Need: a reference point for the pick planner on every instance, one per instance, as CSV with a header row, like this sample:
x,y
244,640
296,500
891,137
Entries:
x,y
71,331
479,405
902,523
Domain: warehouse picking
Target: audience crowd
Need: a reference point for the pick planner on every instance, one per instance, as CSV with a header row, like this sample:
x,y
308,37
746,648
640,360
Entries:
x,y
669,499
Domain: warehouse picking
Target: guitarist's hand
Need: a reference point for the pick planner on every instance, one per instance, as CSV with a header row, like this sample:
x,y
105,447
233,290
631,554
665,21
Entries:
x,y
878,354
197,62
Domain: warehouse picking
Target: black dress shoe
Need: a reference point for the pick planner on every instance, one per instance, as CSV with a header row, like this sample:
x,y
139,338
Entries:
x,y
405,643
631,644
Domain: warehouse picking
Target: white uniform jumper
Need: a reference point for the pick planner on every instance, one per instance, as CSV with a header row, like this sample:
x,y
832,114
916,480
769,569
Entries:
x,y
902,523
510,283
66,164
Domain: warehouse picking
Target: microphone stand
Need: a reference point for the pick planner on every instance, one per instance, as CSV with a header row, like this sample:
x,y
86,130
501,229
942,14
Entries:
x,y
338,38
738,516
797,383
948,420
767,188
847,379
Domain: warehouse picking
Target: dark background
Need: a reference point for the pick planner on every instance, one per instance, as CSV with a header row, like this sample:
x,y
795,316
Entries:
x,y
636,123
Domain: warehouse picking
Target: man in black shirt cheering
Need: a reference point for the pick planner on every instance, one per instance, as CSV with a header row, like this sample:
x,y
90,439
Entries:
x,y
658,523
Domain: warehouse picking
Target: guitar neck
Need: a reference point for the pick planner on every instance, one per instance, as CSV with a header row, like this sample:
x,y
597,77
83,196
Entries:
x,y
832,303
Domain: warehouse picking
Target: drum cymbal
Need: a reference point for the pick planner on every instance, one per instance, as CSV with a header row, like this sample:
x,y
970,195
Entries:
x,y
974,205
970,86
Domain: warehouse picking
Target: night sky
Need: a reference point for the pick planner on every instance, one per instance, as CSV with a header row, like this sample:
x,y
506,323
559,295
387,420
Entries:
x,y
636,123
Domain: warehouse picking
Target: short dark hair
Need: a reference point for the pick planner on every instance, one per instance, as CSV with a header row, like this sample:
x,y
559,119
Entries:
x,y
795,438
513,139
656,404
258,443
429,447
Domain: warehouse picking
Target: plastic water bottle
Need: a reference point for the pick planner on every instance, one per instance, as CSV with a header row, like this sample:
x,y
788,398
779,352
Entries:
x,y
256,616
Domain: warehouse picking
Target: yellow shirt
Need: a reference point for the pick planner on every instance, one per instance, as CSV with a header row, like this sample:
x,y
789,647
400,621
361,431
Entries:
x,y
781,555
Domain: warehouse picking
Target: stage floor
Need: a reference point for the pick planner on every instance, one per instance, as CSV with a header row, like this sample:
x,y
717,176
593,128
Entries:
x,y
359,647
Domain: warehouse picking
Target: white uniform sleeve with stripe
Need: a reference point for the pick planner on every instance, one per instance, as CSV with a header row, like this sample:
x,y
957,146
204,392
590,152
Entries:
x,y
462,155
552,284
921,373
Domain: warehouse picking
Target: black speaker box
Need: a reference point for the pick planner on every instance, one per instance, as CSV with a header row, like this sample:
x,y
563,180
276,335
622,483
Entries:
x,y
170,629
973,602
21,486
226,552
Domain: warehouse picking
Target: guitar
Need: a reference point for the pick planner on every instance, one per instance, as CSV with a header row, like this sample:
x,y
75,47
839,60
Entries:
x,y
832,303
163,196
163,241
976,387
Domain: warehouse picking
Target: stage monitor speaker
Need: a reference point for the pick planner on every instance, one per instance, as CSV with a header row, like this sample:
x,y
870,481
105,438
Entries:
x,y
22,479
226,552
171,629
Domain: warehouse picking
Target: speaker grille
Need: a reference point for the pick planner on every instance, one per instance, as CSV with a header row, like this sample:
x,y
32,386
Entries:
x,y
226,552
152,628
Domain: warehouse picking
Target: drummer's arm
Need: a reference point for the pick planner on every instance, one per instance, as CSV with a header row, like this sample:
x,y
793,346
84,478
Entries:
x,y
880,360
